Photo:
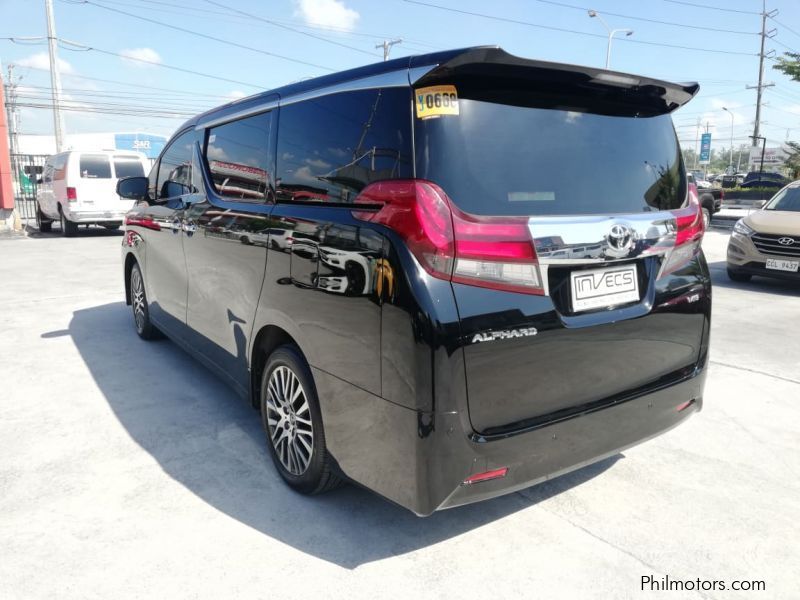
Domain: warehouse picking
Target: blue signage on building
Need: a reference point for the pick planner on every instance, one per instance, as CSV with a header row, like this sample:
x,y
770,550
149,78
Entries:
x,y
150,145
705,149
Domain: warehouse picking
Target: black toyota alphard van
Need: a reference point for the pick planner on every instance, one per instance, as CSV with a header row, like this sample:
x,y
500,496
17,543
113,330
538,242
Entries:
x,y
444,277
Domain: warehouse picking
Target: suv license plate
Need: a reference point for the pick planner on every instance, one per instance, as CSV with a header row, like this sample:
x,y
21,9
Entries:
x,y
780,264
598,288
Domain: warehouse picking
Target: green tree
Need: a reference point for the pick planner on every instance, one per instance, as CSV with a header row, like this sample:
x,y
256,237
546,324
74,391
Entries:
x,y
793,160
789,64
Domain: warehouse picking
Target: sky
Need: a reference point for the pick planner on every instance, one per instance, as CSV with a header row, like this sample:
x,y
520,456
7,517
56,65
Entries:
x,y
128,72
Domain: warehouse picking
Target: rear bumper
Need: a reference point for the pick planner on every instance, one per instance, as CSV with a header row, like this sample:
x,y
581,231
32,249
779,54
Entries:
x,y
552,450
95,216
419,460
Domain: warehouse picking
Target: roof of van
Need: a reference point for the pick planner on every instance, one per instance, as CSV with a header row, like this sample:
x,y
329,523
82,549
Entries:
x,y
674,95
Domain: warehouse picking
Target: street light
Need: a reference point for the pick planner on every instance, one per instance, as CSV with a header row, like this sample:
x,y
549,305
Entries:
x,y
611,32
730,162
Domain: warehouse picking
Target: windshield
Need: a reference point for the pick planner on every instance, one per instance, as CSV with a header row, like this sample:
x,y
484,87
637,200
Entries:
x,y
500,159
787,199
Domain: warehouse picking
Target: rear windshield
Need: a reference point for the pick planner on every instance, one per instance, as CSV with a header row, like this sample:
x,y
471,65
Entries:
x,y
95,166
498,159
128,166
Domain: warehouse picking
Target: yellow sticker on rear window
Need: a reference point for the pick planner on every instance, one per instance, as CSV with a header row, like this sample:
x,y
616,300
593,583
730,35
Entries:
x,y
436,101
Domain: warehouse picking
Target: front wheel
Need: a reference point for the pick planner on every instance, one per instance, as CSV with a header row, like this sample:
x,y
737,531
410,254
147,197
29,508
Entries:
x,y
44,224
141,313
292,422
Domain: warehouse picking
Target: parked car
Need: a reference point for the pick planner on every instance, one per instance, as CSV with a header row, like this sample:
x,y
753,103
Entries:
x,y
710,199
79,188
455,318
767,242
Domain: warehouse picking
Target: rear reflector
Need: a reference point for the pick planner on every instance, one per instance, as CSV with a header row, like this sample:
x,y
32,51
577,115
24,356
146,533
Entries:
x,y
492,252
72,194
485,476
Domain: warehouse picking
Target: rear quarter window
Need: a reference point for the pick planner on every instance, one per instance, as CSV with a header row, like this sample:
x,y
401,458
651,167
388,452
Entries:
x,y
95,166
330,148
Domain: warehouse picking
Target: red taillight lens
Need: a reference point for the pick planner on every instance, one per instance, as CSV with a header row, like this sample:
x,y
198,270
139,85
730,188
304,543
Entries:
x,y
493,252
140,221
72,194
485,476
689,234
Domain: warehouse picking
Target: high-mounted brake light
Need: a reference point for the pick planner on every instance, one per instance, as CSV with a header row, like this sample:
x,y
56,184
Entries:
x,y
689,234
492,252
140,221
72,194
485,476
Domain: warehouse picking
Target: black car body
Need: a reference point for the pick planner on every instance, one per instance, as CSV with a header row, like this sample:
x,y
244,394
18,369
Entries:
x,y
407,234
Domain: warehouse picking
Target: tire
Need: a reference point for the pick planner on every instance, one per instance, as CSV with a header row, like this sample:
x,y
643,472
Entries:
x,y
68,228
706,218
740,277
44,224
141,313
294,431
111,227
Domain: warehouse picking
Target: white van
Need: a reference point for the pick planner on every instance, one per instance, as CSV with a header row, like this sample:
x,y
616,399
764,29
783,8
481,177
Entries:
x,y
79,188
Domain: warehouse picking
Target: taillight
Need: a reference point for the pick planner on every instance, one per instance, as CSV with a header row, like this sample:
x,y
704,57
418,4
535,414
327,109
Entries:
x,y
72,194
688,235
492,252
142,221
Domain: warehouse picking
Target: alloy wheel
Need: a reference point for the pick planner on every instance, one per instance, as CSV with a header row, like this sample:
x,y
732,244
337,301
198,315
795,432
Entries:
x,y
137,298
289,420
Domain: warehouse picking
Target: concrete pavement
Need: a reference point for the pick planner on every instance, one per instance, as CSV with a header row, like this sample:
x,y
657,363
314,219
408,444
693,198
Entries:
x,y
128,471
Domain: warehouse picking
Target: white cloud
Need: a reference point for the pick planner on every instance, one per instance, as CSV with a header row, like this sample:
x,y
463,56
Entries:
x,y
137,55
327,13
41,60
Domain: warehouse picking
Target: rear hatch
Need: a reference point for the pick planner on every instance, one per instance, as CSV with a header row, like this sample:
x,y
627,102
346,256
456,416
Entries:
x,y
96,189
584,166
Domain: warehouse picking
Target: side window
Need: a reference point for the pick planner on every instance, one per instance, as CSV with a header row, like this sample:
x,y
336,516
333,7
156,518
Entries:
x,y
60,167
330,148
175,169
238,158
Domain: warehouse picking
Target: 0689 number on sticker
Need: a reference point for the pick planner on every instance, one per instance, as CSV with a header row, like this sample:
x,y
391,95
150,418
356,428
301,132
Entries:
x,y
435,101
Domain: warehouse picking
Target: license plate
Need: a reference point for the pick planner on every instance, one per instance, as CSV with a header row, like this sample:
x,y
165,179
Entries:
x,y
780,264
598,288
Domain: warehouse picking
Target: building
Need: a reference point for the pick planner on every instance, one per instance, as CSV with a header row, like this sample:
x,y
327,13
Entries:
x,y
147,143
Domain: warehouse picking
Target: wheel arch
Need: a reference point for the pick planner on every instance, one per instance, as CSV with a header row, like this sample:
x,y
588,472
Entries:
x,y
267,340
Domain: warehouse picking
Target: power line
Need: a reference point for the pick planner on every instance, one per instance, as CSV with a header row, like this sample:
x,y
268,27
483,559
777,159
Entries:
x,y
731,10
203,35
646,20
786,27
76,47
573,31
292,29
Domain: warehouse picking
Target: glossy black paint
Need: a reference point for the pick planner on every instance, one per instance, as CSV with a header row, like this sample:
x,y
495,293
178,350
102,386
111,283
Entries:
x,y
411,407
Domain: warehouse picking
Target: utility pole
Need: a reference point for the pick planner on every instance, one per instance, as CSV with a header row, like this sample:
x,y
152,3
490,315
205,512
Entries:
x,y
761,56
387,46
12,111
697,142
55,77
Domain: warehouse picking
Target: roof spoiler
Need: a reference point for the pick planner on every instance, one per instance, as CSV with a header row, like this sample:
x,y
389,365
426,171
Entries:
x,y
477,72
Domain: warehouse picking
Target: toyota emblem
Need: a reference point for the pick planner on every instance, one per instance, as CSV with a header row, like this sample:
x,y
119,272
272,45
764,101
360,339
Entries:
x,y
786,241
619,239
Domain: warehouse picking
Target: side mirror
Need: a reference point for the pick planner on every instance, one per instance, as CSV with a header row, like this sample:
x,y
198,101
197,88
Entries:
x,y
133,188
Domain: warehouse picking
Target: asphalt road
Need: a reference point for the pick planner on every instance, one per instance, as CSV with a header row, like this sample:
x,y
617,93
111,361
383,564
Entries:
x,y
128,471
